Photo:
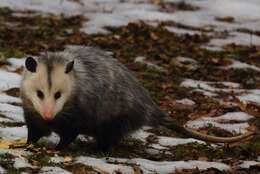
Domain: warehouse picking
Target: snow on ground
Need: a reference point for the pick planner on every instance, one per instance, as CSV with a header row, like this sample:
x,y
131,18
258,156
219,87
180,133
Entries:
x,y
12,112
236,38
53,170
163,142
207,88
222,122
2,170
250,98
117,13
181,31
142,60
15,63
21,163
186,101
102,165
147,166
47,6
9,80
9,99
169,141
235,64
248,164
13,133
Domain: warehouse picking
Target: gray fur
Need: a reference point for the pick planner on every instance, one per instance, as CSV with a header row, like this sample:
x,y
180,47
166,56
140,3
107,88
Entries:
x,y
109,84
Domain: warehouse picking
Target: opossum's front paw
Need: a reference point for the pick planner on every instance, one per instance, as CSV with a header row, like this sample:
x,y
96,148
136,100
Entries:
x,y
61,146
32,139
65,141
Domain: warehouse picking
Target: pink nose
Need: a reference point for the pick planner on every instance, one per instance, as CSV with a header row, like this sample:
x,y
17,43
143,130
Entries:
x,y
48,115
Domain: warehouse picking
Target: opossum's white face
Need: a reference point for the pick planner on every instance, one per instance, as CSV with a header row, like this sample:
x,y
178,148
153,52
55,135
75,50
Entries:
x,y
48,90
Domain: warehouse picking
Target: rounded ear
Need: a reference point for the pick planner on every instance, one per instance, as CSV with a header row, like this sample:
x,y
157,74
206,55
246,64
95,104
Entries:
x,y
69,67
31,64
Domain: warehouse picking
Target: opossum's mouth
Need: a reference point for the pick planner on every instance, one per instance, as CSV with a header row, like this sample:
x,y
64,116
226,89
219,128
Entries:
x,y
48,119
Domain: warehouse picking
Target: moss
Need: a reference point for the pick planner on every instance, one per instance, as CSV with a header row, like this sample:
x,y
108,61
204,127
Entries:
x,y
41,159
11,124
5,11
196,150
252,147
12,52
33,35
6,160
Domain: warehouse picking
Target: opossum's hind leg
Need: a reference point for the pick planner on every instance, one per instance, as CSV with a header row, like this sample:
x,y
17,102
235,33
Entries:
x,y
109,133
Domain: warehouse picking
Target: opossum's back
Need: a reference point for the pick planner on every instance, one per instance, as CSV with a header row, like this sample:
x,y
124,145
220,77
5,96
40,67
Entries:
x,y
116,91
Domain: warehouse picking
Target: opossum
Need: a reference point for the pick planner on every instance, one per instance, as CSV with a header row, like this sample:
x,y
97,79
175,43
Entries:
x,y
86,91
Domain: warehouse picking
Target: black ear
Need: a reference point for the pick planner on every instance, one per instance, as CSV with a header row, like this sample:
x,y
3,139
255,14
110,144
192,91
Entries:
x,y
69,66
31,64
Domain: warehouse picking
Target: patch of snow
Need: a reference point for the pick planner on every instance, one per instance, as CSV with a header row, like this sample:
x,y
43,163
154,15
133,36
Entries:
x,y
237,38
9,99
181,31
2,170
142,60
57,159
169,141
13,133
248,164
250,98
205,93
12,112
163,141
190,83
235,116
238,128
186,101
121,14
244,13
154,151
48,6
164,167
222,122
212,47
53,170
102,165
15,63
241,65
158,147
227,84
9,80
5,119
21,163
186,59
206,87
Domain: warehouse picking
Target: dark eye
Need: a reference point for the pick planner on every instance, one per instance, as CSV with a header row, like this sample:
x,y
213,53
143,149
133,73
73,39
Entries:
x,y
40,94
57,95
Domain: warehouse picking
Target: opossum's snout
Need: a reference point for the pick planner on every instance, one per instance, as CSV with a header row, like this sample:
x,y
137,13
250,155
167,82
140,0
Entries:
x,y
48,114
